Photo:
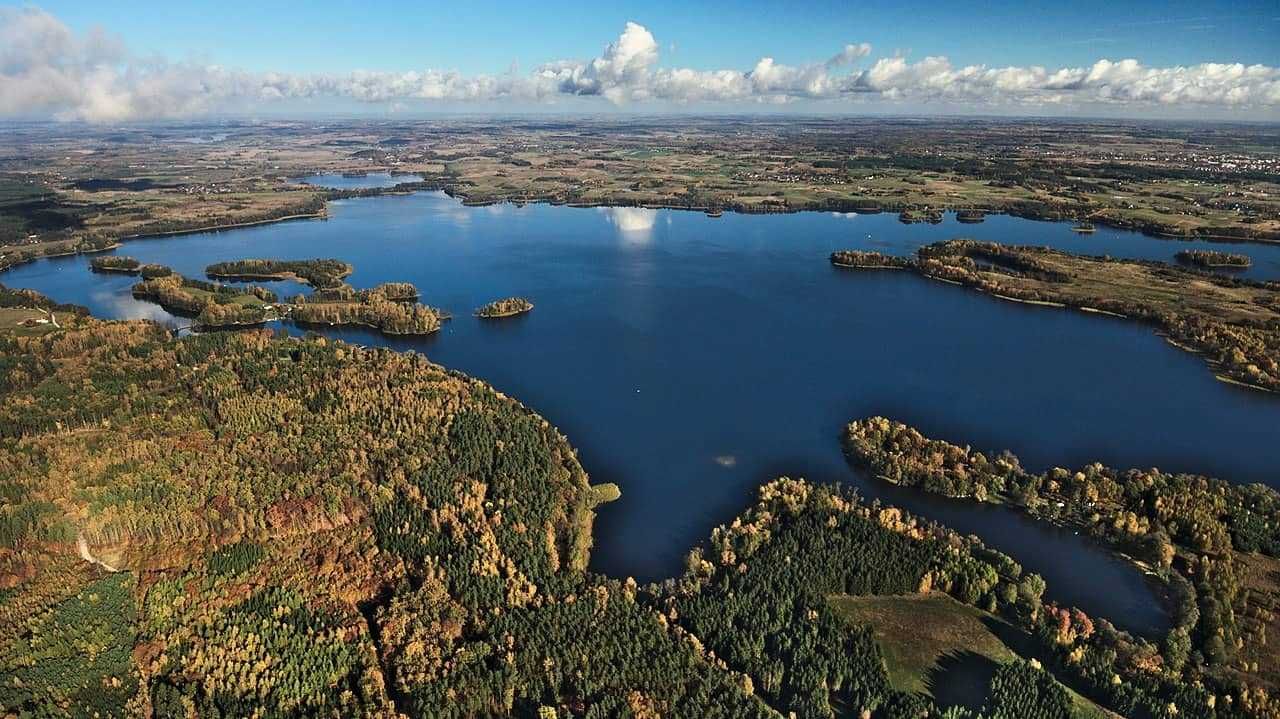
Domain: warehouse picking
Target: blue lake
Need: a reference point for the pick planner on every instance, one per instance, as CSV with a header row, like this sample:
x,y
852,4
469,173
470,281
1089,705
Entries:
x,y
691,358
355,182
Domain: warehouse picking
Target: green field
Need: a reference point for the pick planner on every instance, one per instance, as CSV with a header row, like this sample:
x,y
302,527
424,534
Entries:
x,y
919,633
12,318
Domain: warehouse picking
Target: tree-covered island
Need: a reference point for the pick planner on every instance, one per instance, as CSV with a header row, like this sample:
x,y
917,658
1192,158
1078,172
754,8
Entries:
x,y
390,308
1211,258
506,307
321,273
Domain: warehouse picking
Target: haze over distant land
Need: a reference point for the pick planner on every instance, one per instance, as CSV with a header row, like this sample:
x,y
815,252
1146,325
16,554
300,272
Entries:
x,y
51,68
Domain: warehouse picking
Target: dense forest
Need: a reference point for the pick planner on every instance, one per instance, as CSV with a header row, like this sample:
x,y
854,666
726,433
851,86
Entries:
x,y
236,524
1204,536
291,484
757,595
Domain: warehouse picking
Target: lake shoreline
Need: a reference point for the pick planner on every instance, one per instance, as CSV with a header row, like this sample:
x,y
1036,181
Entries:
x,y
231,226
427,186
1212,328
1160,585
119,242
457,192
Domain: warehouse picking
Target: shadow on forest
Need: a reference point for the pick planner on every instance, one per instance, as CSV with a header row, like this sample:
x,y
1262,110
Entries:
x,y
961,678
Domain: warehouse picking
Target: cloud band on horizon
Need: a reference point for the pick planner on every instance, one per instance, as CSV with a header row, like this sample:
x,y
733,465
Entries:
x,y
47,70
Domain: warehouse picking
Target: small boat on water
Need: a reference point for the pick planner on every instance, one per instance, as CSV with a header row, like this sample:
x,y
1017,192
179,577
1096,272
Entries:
x,y
715,213
1084,228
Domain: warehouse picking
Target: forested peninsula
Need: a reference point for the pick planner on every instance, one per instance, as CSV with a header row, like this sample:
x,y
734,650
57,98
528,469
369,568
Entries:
x,y
1215,544
1233,323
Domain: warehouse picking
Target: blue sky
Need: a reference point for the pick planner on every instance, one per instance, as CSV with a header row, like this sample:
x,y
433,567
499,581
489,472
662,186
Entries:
x,y
485,37
147,60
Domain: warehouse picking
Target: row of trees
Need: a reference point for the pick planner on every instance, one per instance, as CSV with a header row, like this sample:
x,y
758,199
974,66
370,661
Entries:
x,y
1213,258
869,260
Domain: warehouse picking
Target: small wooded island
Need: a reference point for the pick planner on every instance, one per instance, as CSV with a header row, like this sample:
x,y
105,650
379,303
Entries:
x,y
1212,258
864,260
128,266
389,308
507,307
115,263
912,216
317,273
122,265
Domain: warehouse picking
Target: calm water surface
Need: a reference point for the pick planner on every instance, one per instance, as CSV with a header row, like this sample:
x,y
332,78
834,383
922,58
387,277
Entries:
x,y
690,358
373,179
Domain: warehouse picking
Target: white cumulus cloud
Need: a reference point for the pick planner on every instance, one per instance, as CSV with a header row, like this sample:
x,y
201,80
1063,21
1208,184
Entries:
x,y
46,70
850,54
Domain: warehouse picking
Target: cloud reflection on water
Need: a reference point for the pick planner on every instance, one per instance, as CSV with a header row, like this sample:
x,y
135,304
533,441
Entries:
x,y
126,307
635,224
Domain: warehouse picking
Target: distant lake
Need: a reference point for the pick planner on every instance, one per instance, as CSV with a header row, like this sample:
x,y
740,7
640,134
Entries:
x,y
355,182
691,358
